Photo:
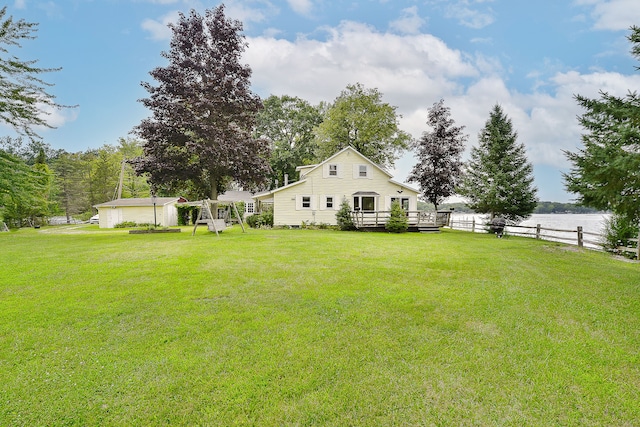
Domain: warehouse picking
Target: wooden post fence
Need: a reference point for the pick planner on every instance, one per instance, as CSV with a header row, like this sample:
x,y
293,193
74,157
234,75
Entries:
x,y
580,237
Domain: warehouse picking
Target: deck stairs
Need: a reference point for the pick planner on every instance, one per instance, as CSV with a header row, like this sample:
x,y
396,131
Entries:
x,y
428,228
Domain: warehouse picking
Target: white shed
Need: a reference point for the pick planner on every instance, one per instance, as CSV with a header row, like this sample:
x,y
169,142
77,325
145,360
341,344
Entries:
x,y
140,210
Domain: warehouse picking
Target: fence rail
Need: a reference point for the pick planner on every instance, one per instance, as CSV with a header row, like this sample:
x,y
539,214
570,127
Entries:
x,y
414,218
577,237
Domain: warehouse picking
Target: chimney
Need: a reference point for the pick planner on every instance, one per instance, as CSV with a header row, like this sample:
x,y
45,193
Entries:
x,y
286,179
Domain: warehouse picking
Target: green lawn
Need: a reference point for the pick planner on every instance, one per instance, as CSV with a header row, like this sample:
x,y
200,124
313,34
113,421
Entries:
x,y
303,328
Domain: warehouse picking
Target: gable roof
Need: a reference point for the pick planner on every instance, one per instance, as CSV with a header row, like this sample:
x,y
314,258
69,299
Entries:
x,y
348,148
275,190
140,201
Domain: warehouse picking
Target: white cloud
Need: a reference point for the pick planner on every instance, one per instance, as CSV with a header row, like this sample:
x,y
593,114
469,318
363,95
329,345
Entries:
x,y
404,66
163,1
468,17
159,29
56,117
20,4
247,15
613,14
302,7
409,23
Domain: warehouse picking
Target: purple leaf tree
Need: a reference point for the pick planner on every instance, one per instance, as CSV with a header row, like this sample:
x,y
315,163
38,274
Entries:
x,y
439,153
203,111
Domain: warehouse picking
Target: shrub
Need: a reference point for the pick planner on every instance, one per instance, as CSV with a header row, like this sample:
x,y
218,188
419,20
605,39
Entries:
x,y
263,219
126,224
185,212
397,222
617,232
343,217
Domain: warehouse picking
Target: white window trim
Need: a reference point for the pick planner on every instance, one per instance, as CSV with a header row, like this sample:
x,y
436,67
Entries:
x,y
312,202
326,170
356,171
399,199
324,203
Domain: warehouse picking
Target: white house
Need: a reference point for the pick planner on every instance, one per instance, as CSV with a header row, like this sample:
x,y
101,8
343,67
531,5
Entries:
x,y
234,196
349,175
143,210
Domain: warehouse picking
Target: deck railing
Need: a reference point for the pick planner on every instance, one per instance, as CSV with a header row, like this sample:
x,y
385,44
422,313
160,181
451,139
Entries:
x,y
363,219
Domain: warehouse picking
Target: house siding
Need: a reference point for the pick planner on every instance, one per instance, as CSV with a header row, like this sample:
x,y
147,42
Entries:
x,y
166,216
318,185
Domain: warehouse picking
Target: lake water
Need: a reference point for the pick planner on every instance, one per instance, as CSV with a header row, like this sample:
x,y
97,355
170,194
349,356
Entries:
x,y
590,223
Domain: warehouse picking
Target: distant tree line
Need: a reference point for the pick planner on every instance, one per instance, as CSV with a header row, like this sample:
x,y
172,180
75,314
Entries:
x,y
559,207
41,182
541,208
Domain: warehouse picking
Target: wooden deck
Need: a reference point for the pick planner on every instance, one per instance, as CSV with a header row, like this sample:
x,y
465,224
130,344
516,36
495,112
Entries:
x,y
419,221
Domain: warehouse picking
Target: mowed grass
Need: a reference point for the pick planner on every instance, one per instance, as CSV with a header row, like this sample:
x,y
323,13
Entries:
x,y
305,328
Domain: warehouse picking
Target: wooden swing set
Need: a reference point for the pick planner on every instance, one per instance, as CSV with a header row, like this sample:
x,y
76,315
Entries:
x,y
205,216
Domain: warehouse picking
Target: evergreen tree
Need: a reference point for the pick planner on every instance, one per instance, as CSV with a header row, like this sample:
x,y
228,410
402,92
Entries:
x,y
439,152
499,178
358,118
21,189
397,222
203,110
23,97
343,217
605,173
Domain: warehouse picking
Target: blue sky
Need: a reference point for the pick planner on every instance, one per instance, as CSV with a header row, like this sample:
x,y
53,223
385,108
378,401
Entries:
x,y
530,57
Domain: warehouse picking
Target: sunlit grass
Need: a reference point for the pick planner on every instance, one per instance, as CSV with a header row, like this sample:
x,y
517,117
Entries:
x,y
303,327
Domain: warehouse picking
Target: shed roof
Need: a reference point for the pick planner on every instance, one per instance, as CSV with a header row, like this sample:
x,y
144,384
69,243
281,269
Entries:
x,y
235,196
140,201
365,193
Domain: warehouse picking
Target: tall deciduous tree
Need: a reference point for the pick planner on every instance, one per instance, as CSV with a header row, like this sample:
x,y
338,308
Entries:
x,y
104,173
24,101
72,183
203,109
499,178
359,118
439,152
288,123
133,185
605,173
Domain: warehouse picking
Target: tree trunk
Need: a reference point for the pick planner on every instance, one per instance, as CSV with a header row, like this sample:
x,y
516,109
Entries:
x,y
213,194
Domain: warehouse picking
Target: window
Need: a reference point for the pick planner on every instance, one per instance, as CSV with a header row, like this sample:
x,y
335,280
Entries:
x,y
333,170
248,207
404,202
368,204
365,203
306,201
362,171
329,202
